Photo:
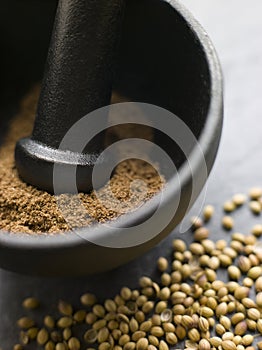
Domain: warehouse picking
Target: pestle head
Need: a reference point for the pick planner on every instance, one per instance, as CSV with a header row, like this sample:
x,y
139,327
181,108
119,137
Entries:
x,y
78,79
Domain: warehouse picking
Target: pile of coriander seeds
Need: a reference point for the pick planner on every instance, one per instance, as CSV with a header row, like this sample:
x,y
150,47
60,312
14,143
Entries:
x,y
189,307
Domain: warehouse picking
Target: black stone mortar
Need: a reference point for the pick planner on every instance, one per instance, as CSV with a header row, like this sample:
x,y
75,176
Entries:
x,y
165,59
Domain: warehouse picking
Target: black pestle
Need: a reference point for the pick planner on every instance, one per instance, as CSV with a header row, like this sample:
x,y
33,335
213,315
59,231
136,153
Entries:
x,y
78,80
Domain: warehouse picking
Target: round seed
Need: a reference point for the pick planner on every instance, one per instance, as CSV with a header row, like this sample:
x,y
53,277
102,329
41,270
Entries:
x,y
102,335
241,293
30,303
163,345
227,223
165,280
255,192
74,344
125,293
257,230
64,322
228,345
229,206
145,282
65,308
79,316
153,340
90,336
142,344
60,346
204,344
124,339
67,333
239,199
194,335
247,339
50,345
130,346
138,335
18,347
88,299
157,331
166,315
196,248
259,299
146,326
179,245
216,341
201,233
99,310
25,323
91,318
196,222
49,322
253,314
133,325
42,336
255,272
104,346
241,328
234,272
162,264
255,207
208,212
148,306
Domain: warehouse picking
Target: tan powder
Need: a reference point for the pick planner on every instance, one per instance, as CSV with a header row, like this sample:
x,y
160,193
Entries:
x,y
24,208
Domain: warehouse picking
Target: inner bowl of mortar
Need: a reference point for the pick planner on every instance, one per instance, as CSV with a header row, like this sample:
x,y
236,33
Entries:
x,y
166,59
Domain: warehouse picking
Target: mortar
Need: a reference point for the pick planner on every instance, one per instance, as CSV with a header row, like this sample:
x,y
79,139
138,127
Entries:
x,y
166,59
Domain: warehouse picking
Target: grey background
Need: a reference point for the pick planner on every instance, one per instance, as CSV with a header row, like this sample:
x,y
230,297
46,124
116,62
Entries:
x,y
235,27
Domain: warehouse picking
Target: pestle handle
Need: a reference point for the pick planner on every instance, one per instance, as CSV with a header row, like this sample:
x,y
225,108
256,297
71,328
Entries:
x,y
80,65
77,80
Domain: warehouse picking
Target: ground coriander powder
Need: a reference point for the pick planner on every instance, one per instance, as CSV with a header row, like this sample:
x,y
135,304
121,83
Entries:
x,y
24,208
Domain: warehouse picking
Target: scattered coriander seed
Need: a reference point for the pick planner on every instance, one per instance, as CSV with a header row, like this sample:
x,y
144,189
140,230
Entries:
x,y
67,333
32,332
42,336
162,264
61,346
208,212
25,323
204,344
163,345
65,308
142,344
255,272
239,199
255,207
64,322
166,315
90,336
18,347
196,222
255,192
234,272
241,328
229,206
50,345
88,299
30,303
79,316
49,322
201,233
227,222
73,344
228,345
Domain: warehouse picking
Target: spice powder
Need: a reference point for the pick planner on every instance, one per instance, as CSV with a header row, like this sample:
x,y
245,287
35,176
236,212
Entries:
x,y
24,208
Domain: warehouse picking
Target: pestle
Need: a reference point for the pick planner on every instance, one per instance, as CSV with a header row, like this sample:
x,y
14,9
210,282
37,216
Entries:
x,y
77,80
